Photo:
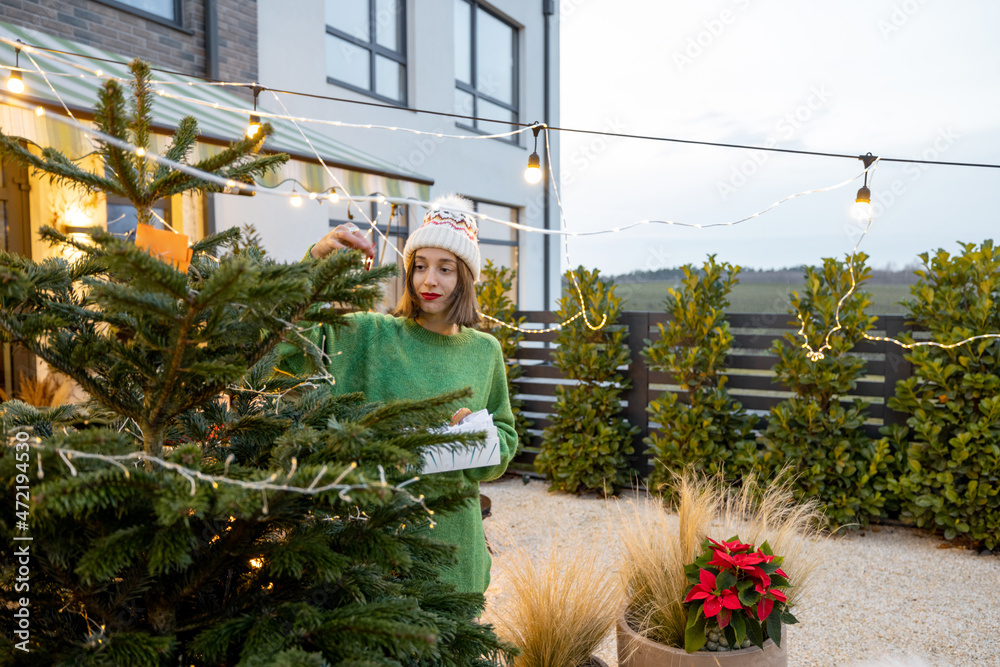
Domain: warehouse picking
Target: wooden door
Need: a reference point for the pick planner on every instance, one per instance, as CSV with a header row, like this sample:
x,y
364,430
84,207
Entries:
x,y
15,237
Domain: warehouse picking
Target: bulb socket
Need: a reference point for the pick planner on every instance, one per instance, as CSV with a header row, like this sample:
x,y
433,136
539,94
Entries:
x,y
864,195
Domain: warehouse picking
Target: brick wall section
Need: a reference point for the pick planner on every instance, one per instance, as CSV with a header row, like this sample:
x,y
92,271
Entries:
x,y
118,30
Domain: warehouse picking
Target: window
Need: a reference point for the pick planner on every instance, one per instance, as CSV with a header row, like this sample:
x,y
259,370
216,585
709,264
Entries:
x,y
123,218
366,47
395,227
485,66
164,11
498,242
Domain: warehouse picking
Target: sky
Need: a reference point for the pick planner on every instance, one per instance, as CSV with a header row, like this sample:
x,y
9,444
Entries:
x,y
899,78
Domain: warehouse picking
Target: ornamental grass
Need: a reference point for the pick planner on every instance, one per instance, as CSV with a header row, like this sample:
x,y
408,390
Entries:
x,y
560,603
655,548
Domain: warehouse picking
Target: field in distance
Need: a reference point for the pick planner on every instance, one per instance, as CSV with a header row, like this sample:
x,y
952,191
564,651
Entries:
x,y
757,297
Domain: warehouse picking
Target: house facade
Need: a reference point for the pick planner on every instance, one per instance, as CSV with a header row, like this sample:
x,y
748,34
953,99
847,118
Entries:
x,y
350,64
386,63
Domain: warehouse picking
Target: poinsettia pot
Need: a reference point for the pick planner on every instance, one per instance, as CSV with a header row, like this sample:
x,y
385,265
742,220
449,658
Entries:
x,y
637,651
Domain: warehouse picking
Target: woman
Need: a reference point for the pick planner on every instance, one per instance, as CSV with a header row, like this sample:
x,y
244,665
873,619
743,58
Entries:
x,y
426,348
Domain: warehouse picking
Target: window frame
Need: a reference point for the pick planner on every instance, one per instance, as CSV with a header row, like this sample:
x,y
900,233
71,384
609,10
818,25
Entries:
x,y
376,49
515,243
177,23
163,203
470,88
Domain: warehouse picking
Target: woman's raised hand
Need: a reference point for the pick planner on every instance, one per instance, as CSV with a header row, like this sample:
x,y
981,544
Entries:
x,y
343,236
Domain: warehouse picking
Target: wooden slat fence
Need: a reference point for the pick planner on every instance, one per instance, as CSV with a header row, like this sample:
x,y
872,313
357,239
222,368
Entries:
x,y
749,368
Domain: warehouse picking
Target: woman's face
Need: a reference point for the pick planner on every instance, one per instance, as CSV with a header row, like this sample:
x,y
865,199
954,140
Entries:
x,y
435,276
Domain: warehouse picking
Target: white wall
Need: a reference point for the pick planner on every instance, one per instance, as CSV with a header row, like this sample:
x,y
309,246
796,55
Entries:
x,y
291,38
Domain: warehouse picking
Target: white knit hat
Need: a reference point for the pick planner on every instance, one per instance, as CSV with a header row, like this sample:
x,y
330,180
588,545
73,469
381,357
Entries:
x,y
449,224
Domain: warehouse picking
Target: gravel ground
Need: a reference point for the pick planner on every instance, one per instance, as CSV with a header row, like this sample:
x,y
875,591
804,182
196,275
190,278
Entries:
x,y
884,593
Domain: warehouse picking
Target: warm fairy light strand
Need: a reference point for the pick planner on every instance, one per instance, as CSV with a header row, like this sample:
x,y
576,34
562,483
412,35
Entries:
x,y
58,96
815,355
268,484
382,199
562,217
337,123
389,243
350,200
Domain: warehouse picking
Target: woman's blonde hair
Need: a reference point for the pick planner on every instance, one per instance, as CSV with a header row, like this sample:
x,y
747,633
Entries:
x,y
464,309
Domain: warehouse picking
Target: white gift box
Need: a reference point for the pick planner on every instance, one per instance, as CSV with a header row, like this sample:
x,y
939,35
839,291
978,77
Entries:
x,y
442,458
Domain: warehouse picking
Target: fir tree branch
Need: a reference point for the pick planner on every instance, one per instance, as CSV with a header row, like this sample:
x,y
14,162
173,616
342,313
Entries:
x,y
173,369
55,164
109,116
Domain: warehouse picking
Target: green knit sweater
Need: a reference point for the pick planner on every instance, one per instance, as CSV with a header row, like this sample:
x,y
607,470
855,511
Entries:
x,y
391,358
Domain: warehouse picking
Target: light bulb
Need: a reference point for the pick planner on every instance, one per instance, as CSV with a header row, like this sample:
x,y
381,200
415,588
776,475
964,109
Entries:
x,y
296,201
862,208
254,127
140,151
15,84
862,211
533,174
333,197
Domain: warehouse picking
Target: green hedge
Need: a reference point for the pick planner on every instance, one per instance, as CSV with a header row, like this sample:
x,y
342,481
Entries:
x,y
951,445
493,292
706,428
817,434
585,447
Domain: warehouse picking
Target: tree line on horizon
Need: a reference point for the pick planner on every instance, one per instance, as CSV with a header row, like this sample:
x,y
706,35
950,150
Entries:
x,y
791,275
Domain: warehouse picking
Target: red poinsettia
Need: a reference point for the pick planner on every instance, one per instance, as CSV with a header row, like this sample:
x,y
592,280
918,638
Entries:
x,y
766,603
715,600
739,587
732,546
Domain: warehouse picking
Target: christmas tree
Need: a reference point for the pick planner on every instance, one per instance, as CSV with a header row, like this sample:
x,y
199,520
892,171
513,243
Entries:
x,y
204,508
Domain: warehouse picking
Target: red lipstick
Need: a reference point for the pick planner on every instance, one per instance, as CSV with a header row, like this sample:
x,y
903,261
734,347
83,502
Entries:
x,y
429,296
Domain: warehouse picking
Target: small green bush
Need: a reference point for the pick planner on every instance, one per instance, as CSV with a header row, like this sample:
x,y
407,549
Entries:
x,y
813,433
585,446
710,430
951,462
493,293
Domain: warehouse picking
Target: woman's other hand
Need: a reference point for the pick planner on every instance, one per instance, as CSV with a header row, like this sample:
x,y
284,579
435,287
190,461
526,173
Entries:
x,y
343,236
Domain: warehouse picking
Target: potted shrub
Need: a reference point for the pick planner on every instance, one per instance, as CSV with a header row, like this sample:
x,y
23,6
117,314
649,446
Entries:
x,y
693,598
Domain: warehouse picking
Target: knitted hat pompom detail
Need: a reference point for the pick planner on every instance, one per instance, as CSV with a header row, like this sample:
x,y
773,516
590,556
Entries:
x,y
449,224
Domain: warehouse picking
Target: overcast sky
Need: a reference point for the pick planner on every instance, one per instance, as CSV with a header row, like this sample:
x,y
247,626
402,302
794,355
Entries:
x,y
899,78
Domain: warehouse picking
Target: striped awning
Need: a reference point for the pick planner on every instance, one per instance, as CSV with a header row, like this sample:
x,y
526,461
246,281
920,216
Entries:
x,y
70,80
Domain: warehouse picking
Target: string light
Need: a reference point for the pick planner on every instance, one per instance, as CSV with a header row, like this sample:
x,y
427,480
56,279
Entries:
x,y
533,173
205,81
296,199
254,126
14,83
863,203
